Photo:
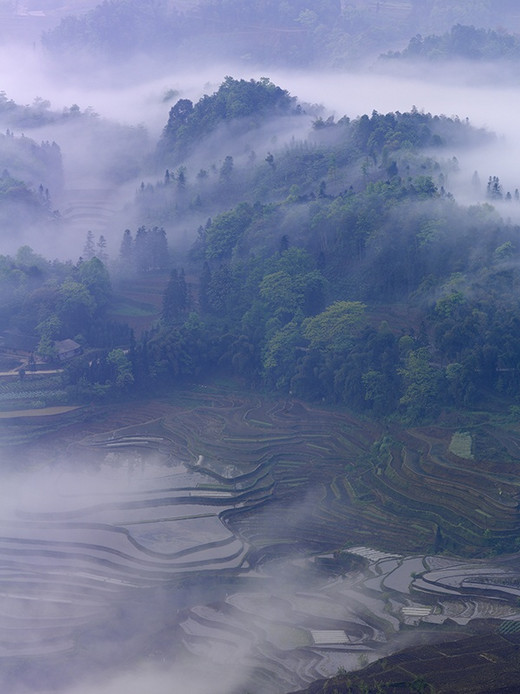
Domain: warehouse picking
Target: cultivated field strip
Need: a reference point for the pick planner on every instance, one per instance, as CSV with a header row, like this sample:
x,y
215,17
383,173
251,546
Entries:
x,y
85,538
300,635
236,492
87,210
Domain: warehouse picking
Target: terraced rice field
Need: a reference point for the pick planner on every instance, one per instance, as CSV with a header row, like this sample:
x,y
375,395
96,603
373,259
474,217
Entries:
x,y
186,531
84,210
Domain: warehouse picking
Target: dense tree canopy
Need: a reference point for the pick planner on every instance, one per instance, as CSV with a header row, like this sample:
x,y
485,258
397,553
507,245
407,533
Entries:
x,y
338,268
462,41
294,32
235,99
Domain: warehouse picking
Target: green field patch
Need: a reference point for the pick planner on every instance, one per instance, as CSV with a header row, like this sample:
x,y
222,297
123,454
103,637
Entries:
x,y
259,422
128,307
287,638
461,445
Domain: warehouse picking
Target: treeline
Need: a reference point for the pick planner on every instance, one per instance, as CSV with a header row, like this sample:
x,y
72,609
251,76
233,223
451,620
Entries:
x,y
26,164
147,251
462,41
44,302
388,298
255,100
445,335
318,325
39,113
346,274
296,295
292,33
333,157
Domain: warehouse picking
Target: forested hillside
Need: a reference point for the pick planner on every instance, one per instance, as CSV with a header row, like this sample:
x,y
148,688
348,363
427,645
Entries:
x,y
299,278
462,42
339,268
293,33
31,175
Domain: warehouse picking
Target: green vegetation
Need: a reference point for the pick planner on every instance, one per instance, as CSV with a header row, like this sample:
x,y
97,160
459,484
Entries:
x,y
234,100
290,293
293,33
338,270
461,444
465,42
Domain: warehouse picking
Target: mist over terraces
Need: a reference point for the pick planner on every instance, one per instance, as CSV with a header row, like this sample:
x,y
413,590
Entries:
x,y
259,346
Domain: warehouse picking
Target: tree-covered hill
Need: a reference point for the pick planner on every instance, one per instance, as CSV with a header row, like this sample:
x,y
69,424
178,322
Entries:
x,y
233,136
34,163
338,268
462,42
344,270
31,175
292,33
249,102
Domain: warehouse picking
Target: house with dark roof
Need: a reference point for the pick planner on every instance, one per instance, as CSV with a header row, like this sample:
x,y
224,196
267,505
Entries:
x,y
66,349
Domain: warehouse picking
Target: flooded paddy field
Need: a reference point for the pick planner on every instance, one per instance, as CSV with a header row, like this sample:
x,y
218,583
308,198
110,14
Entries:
x,y
211,534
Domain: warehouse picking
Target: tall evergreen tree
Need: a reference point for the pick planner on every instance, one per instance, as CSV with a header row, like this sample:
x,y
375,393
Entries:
x,y
204,284
89,249
126,249
175,298
101,249
158,248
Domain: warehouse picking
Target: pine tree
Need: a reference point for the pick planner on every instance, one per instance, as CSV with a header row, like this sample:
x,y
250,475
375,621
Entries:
x,y
142,255
204,283
175,298
101,249
89,249
181,177
226,169
158,248
126,250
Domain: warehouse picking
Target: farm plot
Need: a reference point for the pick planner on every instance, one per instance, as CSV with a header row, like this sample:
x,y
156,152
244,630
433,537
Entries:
x,y
80,538
230,494
419,495
35,392
332,624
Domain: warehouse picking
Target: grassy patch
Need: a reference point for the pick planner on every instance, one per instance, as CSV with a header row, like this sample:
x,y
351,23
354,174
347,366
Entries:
x,y
461,445
287,638
42,412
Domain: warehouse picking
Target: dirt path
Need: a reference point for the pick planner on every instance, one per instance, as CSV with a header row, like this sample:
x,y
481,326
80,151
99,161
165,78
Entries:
x,y
42,412
16,372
